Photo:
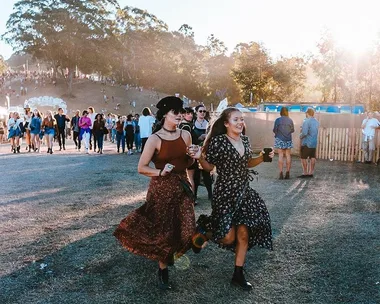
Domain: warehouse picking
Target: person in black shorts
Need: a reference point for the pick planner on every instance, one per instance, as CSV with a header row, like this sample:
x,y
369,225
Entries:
x,y
309,139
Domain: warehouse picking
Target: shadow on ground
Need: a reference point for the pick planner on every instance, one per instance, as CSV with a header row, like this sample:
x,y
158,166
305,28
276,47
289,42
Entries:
x,y
57,244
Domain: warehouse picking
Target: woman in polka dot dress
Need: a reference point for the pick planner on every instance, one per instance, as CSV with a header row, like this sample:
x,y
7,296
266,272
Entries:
x,y
239,218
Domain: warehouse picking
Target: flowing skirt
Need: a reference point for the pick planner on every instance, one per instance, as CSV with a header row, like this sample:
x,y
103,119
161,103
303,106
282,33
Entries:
x,y
163,227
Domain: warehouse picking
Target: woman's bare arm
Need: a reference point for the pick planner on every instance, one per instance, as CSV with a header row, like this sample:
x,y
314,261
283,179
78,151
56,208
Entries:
x,y
150,148
254,161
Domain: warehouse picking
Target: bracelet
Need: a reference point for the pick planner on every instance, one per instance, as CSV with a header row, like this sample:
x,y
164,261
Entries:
x,y
201,158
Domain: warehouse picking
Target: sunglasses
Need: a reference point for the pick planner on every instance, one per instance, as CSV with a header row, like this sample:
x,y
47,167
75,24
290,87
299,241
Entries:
x,y
202,111
176,111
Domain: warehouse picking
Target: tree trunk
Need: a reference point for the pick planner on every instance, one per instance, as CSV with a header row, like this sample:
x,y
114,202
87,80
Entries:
x,y
69,81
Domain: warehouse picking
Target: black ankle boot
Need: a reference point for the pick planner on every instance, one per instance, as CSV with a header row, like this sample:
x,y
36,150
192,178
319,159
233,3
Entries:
x,y
18,149
239,280
163,279
14,150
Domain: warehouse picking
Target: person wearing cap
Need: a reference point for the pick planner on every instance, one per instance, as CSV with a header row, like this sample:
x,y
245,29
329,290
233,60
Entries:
x,y
163,227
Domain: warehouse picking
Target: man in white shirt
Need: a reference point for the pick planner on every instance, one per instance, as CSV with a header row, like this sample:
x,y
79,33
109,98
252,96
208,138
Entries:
x,y
369,126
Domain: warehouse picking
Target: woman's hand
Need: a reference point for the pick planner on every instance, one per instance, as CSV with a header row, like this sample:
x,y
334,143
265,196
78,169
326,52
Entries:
x,y
194,151
167,169
202,137
271,153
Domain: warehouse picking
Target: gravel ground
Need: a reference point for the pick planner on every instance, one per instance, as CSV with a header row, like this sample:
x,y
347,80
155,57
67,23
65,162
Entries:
x,y
58,212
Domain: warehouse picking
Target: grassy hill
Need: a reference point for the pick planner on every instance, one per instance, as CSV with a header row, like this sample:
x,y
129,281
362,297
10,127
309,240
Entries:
x,y
89,93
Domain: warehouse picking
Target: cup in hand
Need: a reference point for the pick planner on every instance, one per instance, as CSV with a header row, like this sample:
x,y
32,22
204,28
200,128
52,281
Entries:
x,y
266,157
192,149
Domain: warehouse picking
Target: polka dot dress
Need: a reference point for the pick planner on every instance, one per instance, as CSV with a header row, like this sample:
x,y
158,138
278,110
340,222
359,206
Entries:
x,y
234,201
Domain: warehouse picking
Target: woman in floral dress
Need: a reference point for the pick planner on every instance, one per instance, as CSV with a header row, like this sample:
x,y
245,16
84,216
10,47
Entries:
x,y
239,218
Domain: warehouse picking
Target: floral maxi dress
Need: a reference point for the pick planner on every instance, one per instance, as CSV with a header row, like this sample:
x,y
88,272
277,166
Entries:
x,y
162,228
234,201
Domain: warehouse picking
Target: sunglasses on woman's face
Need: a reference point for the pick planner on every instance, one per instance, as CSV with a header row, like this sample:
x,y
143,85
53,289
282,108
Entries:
x,y
176,111
202,111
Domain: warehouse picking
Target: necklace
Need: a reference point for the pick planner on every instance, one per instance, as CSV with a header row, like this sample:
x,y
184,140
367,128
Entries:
x,y
169,131
201,122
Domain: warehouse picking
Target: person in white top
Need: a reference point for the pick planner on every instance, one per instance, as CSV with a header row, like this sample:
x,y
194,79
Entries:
x,y
92,115
146,123
369,126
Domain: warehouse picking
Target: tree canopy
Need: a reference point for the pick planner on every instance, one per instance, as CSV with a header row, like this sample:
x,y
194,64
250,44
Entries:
x,y
132,45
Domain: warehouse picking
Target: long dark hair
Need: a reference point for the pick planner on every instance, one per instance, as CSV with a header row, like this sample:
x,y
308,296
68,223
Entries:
x,y
160,119
218,127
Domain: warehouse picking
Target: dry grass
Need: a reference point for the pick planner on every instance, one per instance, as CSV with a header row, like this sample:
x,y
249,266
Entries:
x,y
61,210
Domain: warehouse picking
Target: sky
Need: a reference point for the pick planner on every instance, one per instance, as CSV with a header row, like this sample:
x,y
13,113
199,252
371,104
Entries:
x,y
285,27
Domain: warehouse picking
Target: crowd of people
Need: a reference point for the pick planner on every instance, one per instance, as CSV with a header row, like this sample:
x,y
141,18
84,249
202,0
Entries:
x,y
184,147
86,128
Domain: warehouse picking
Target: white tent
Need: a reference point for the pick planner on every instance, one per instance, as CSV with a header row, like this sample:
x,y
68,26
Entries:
x,y
46,101
223,104
241,108
3,113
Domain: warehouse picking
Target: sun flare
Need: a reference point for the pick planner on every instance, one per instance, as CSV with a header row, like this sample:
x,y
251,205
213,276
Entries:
x,y
357,37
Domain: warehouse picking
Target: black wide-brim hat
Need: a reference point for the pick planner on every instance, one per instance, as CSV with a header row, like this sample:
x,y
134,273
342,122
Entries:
x,y
170,103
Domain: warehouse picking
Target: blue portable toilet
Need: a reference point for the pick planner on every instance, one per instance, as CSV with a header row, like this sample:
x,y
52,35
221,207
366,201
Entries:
x,y
321,109
358,110
345,109
294,108
270,108
332,109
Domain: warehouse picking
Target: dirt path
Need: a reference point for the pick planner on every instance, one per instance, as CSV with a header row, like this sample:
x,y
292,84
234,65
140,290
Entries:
x,y
58,212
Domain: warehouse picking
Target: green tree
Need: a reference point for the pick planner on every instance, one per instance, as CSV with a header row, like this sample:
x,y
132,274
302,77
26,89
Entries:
x,y
329,66
288,80
252,71
65,33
